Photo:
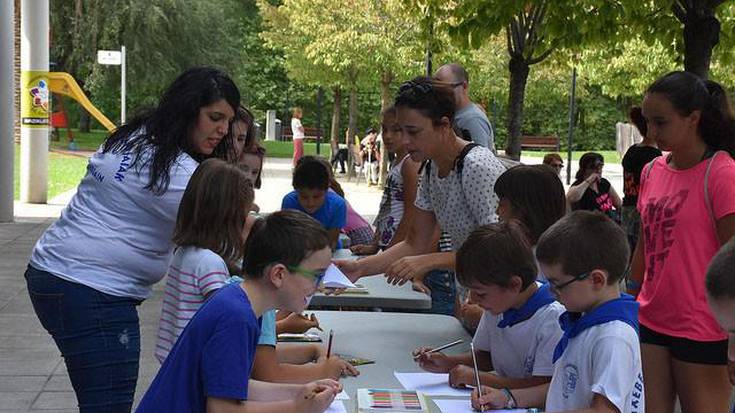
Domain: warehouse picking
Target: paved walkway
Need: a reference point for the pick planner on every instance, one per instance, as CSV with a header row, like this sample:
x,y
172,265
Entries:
x,y
32,373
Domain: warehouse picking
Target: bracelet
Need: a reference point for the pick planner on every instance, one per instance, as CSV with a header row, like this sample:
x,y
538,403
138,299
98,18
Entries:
x,y
511,404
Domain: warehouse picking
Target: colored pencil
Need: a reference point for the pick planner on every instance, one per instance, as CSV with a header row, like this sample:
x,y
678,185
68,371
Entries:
x,y
329,345
440,348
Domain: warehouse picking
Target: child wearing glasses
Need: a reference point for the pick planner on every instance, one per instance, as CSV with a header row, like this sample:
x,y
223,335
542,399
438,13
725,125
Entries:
x,y
519,326
597,362
208,238
209,368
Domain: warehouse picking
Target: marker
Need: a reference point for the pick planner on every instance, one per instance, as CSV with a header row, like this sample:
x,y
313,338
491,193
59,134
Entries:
x,y
477,374
440,348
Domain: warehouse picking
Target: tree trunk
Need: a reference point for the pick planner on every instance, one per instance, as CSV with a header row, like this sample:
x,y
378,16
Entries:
x,y
385,102
351,130
84,120
701,35
518,76
334,134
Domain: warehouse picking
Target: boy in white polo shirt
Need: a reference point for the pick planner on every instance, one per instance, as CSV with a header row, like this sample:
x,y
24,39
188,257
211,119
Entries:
x,y
597,363
519,327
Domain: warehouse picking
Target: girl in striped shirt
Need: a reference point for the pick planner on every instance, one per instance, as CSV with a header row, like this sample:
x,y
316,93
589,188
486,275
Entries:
x,y
209,244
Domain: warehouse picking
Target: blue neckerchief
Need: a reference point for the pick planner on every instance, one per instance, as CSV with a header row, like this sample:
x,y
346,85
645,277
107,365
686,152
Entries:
x,y
540,298
624,309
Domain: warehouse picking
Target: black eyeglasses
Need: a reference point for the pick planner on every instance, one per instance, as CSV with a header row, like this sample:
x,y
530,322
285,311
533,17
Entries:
x,y
559,287
557,165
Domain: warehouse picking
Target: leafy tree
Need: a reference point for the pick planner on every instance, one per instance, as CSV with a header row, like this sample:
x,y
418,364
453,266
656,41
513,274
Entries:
x,y
162,38
534,29
704,24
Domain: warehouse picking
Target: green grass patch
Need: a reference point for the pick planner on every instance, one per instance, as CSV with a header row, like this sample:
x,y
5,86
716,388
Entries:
x,y
64,173
86,141
281,149
610,156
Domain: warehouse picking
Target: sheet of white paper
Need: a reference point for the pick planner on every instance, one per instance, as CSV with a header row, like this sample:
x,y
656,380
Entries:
x,y
464,406
344,254
342,396
431,384
336,407
335,278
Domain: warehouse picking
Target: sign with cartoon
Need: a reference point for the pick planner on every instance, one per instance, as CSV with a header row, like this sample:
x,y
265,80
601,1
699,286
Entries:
x,y
36,94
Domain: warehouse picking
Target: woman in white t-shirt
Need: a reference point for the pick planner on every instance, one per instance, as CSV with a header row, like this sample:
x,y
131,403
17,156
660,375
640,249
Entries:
x,y
455,188
297,129
98,261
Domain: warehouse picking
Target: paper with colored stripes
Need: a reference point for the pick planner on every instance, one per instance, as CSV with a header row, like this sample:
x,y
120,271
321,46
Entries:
x,y
390,400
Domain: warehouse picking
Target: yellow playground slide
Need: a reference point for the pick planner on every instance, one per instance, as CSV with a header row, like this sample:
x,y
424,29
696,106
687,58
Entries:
x,y
64,84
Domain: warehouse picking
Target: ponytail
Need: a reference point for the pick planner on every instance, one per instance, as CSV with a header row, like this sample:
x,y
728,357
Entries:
x,y
687,93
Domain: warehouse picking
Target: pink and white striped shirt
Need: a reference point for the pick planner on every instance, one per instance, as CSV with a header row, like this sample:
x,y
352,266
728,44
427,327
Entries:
x,y
193,274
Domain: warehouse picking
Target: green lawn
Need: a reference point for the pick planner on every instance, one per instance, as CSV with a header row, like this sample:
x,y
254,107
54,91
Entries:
x,y
276,149
89,141
64,172
279,149
610,156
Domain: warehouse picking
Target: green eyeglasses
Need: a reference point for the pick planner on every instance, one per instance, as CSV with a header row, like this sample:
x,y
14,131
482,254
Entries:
x,y
317,275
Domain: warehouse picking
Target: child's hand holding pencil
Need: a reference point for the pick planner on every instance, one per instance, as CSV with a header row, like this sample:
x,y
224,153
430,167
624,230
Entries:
x,y
490,399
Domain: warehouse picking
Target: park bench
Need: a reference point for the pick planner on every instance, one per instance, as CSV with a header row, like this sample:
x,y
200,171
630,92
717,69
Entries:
x,y
540,142
309,133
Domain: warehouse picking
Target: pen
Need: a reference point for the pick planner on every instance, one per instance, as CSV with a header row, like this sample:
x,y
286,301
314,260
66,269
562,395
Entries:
x,y
477,374
440,348
329,345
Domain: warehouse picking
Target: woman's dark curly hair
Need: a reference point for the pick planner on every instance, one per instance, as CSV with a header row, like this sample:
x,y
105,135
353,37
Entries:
x,y
166,128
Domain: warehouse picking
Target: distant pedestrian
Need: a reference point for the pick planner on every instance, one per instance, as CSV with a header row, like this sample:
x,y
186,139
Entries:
x,y
297,129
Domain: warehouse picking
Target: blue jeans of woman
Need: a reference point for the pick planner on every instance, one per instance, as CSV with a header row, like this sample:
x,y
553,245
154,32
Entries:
x,y
98,335
443,291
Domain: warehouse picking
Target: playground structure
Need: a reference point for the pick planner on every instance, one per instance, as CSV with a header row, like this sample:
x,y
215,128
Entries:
x,y
63,84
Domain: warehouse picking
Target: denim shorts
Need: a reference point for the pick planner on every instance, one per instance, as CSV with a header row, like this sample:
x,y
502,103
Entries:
x,y
98,335
443,291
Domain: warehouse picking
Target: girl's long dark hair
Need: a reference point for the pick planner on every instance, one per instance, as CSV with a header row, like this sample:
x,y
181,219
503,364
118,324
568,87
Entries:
x,y
165,129
687,93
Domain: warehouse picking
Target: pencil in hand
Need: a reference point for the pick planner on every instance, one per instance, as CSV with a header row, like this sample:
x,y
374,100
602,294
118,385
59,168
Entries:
x,y
477,374
440,348
329,344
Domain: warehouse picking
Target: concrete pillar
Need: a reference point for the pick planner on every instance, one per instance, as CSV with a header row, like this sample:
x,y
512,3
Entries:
x,y
35,100
270,125
7,116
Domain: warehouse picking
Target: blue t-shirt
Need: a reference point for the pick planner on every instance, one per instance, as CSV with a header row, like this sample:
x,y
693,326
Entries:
x,y
332,214
213,357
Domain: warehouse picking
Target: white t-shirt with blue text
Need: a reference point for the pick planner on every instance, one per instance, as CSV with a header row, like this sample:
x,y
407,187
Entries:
x,y
525,349
604,359
115,235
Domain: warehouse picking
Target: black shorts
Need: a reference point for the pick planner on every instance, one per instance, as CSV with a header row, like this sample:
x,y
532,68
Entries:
x,y
689,351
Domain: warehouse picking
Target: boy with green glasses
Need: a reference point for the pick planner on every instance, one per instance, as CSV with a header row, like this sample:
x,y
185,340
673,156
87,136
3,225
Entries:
x,y
209,367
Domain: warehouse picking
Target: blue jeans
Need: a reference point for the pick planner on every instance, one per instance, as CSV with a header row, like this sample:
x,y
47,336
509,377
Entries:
x,y
98,335
443,291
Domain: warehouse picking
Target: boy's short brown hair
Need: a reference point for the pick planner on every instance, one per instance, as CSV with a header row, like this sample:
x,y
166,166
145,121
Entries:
x,y
494,253
721,273
285,237
583,241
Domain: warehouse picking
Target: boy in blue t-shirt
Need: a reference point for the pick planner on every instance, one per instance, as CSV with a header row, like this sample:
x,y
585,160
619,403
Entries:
x,y
311,194
208,369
